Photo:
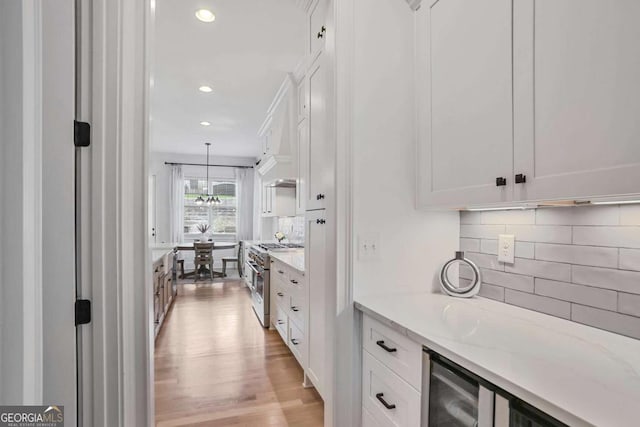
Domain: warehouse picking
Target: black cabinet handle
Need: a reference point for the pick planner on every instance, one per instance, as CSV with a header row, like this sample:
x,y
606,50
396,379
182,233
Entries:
x,y
521,179
388,349
320,221
320,35
294,341
320,196
280,322
280,294
295,282
295,309
379,396
501,181
280,271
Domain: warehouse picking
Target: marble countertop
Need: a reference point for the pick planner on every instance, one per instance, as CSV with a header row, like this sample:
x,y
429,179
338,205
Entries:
x,y
294,259
580,375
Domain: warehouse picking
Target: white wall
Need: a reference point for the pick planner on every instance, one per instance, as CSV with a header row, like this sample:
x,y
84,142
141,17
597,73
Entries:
x,y
412,244
11,316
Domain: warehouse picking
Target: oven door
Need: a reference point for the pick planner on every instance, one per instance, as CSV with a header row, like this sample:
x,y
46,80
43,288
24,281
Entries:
x,y
249,271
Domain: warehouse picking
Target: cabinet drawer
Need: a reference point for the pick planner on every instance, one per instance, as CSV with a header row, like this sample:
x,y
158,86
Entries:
x,y
390,400
297,342
297,308
281,296
279,273
296,281
281,322
396,351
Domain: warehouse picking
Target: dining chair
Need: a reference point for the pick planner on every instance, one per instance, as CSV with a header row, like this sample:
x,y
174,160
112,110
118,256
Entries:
x,y
232,259
203,258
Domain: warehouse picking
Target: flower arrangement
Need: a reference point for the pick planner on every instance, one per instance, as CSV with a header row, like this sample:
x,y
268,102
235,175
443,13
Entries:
x,y
203,228
280,236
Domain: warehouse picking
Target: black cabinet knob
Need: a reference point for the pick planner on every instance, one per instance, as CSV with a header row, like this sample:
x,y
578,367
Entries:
x,y
521,179
320,196
501,181
320,221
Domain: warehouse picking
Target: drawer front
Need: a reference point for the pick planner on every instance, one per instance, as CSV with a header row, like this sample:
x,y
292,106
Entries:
x,y
390,400
297,308
297,342
281,323
279,273
396,351
281,296
296,282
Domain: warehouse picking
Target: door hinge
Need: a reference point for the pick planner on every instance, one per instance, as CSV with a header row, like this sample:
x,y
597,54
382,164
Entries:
x,y
83,311
81,134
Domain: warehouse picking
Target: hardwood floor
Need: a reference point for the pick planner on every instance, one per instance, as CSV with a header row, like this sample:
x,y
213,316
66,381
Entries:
x,y
216,366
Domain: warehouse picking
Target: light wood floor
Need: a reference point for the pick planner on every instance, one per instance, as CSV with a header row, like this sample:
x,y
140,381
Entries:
x,y
216,366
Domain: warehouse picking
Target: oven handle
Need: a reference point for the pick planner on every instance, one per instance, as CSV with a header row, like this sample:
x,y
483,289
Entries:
x,y
252,266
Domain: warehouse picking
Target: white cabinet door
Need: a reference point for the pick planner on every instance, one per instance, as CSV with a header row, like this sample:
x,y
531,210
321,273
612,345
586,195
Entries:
x,y
464,78
303,172
577,98
317,285
316,158
267,201
301,96
317,27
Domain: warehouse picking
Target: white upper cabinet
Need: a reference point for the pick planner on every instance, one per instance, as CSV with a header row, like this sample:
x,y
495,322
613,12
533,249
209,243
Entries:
x,y
316,158
303,175
546,97
465,107
577,98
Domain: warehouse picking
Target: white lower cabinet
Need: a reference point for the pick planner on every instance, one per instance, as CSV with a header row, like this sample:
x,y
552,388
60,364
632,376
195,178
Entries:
x,y
297,342
406,385
390,400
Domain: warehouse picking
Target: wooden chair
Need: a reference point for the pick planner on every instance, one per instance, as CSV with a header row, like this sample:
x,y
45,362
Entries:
x,y
203,258
232,259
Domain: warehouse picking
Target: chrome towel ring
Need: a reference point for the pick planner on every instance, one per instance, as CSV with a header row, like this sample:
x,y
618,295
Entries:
x,y
460,291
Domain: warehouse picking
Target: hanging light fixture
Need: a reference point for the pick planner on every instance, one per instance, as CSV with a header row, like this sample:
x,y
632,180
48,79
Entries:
x,y
210,200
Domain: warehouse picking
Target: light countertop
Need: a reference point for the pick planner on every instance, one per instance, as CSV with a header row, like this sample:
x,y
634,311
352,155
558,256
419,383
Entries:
x,y
575,373
294,259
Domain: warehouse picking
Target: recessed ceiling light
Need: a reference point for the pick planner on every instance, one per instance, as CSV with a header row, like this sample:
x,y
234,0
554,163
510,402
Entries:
x,y
205,123
205,15
205,89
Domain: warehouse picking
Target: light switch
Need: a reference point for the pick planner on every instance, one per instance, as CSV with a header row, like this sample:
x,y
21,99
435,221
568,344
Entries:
x,y
369,246
506,248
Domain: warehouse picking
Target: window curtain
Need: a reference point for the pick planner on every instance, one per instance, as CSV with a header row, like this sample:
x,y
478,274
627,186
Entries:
x,y
244,198
176,204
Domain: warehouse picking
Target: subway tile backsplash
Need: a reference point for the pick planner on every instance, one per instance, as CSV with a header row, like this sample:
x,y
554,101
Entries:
x,y
578,263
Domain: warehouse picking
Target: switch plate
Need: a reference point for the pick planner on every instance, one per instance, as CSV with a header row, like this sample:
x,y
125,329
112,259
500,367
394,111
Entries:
x,y
506,248
369,246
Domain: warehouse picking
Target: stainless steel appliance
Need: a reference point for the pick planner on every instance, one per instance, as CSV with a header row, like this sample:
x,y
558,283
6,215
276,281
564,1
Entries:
x,y
454,396
258,262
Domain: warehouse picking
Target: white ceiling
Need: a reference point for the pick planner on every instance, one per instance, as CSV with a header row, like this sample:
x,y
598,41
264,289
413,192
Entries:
x,y
244,55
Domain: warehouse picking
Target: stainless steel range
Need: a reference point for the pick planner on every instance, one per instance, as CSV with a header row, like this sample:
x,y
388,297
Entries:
x,y
258,262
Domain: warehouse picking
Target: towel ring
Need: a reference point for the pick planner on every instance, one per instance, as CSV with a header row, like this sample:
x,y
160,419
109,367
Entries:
x,y
466,291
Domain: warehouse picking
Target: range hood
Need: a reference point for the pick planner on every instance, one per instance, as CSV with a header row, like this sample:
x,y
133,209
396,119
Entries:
x,y
283,183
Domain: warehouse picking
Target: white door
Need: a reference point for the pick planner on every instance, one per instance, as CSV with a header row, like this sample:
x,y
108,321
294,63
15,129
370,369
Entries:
x,y
303,173
315,270
316,156
58,206
465,109
577,98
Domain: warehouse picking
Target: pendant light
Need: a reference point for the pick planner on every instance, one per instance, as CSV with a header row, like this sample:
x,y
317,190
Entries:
x,y
209,198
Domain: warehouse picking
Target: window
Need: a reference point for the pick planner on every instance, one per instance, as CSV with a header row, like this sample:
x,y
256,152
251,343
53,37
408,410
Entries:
x,y
221,217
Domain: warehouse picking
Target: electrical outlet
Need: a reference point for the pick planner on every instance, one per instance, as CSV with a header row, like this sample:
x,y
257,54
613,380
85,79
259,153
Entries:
x,y
506,248
369,246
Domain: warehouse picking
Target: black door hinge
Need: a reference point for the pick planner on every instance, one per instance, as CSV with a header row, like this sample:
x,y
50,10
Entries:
x,y
81,134
83,311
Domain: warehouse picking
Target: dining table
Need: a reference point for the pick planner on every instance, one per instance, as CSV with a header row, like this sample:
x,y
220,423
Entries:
x,y
216,247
